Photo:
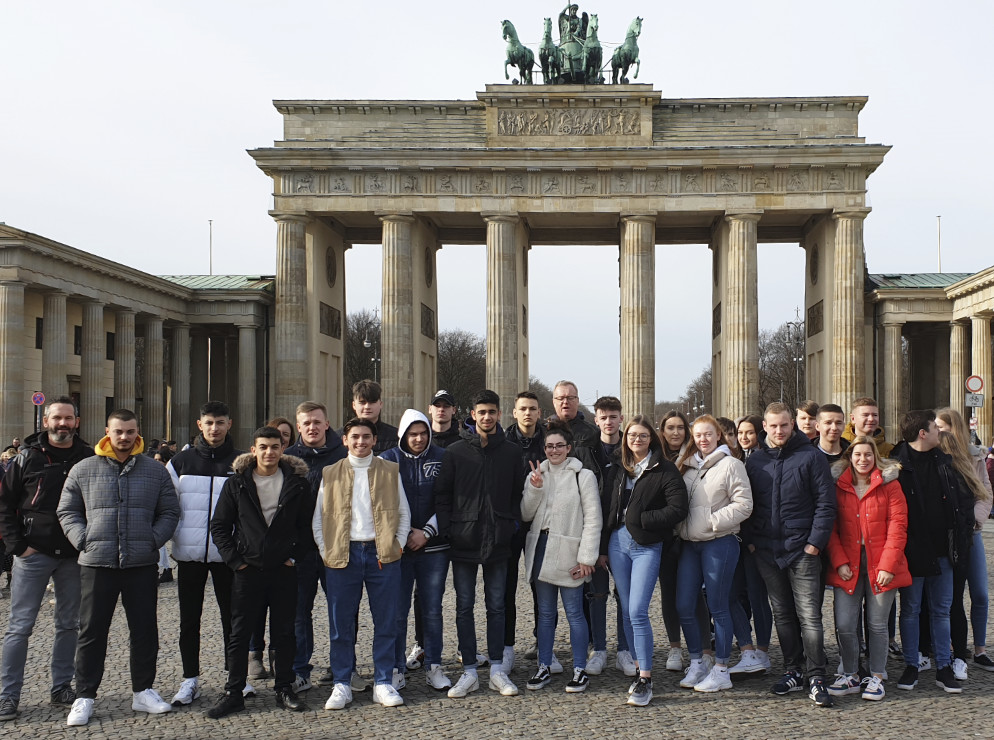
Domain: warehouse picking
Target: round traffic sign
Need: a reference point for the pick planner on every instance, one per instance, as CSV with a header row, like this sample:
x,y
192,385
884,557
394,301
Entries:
x,y
974,384
38,398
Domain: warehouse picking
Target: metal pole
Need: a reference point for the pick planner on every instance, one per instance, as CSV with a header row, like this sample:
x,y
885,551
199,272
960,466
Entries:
x,y
938,226
210,246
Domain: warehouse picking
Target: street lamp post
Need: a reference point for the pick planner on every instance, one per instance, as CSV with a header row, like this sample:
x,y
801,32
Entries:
x,y
374,345
795,331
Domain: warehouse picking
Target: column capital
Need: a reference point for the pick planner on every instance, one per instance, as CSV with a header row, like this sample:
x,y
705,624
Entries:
x,y
753,216
13,283
639,218
982,316
851,213
125,310
293,218
893,322
56,293
245,324
403,217
86,301
496,217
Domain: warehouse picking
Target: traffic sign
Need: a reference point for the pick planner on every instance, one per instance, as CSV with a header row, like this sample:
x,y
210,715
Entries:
x,y
974,423
974,400
38,398
974,384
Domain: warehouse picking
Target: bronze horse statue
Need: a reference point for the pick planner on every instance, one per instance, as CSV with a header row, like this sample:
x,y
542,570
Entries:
x,y
518,55
548,55
592,54
627,54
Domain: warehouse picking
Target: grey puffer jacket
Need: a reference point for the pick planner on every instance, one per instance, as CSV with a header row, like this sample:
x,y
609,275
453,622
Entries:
x,y
118,516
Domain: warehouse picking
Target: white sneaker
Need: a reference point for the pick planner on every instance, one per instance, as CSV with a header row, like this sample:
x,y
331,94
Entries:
x,y
300,684
625,663
500,682
80,713
674,661
387,695
697,671
555,666
437,679
749,662
341,697
249,691
398,681
415,657
716,680
150,701
764,657
467,683
357,682
189,690
508,658
924,662
959,669
596,662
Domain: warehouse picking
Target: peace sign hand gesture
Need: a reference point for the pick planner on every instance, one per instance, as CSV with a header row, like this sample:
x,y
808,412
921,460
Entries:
x,y
536,477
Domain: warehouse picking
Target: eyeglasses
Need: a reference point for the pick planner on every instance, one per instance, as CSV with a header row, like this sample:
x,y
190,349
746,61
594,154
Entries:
x,y
562,399
556,446
642,437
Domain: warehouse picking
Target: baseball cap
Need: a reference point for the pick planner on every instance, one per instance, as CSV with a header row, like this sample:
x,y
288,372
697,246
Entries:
x,y
443,397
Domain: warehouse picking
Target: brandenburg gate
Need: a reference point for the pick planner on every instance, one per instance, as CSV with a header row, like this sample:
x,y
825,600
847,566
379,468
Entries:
x,y
568,165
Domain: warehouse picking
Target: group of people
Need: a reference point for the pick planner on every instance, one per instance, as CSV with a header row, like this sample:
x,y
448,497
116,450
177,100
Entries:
x,y
742,524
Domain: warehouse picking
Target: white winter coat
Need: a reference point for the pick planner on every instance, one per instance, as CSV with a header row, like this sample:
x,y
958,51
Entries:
x,y
719,496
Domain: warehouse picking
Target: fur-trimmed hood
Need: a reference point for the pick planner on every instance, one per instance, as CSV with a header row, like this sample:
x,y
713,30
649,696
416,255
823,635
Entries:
x,y
889,469
246,460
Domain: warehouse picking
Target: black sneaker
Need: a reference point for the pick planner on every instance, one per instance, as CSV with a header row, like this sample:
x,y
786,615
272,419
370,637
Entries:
x,y
8,709
983,662
227,704
287,699
166,576
541,678
64,695
579,682
946,681
327,678
642,694
818,692
908,679
790,681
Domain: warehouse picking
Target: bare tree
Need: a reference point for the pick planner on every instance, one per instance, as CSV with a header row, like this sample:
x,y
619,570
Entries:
x,y
462,366
361,362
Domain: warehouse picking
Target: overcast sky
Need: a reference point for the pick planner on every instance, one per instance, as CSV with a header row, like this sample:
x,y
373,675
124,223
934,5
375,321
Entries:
x,y
124,128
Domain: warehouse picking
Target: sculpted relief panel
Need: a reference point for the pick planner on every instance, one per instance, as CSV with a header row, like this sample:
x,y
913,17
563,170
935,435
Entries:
x,y
576,122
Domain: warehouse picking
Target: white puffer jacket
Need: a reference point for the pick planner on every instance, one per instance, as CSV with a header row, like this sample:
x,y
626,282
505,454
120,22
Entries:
x,y
719,494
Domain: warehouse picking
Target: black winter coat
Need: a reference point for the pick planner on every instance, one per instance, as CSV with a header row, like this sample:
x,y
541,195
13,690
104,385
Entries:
x,y
657,504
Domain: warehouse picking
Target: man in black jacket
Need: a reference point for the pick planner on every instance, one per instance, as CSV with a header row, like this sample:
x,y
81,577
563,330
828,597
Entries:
x,y
261,526
478,500
29,496
367,402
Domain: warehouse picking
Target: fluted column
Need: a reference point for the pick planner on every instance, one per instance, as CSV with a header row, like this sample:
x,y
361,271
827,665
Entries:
x,y
180,373
959,363
981,362
53,346
502,309
13,395
291,312
740,319
893,375
247,414
638,291
124,358
91,373
153,417
848,363
397,329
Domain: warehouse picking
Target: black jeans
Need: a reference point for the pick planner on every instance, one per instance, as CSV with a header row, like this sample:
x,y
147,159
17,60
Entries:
x,y
252,589
138,589
191,580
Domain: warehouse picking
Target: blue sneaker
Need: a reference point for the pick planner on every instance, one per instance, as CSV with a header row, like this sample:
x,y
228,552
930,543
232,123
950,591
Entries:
x,y
873,689
789,681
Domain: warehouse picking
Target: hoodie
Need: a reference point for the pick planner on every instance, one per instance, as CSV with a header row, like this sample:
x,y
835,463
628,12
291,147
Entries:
x,y
883,446
419,472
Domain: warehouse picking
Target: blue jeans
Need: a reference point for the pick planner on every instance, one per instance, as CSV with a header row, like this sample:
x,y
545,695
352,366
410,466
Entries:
x,y
29,579
635,568
494,585
429,570
308,569
345,586
596,594
748,587
573,604
711,564
972,572
940,599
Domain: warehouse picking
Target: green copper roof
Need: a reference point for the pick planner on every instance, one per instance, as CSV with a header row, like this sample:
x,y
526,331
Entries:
x,y
222,282
911,280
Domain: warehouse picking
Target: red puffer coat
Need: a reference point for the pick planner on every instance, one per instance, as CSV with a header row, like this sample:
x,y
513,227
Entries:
x,y
881,516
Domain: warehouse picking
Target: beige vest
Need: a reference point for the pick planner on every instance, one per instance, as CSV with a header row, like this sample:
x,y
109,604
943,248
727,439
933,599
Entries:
x,y
336,511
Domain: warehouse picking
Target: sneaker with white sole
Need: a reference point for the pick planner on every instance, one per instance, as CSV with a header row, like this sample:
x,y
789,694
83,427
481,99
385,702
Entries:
x,y
946,681
300,684
789,682
641,693
540,680
716,680
924,662
983,662
8,708
415,657
625,663
845,684
467,683
508,658
150,701
501,683
596,662
697,671
341,697
249,691
482,661
398,680
80,713
873,689
959,669
188,692
749,662
387,695
674,661
555,666
437,679
579,682
357,683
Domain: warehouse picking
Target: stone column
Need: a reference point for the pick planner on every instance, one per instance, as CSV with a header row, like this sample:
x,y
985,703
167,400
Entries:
x,y
199,374
740,319
247,419
180,372
638,291
397,329
153,423
124,359
53,346
981,363
92,400
14,402
848,363
959,364
291,312
502,309
893,377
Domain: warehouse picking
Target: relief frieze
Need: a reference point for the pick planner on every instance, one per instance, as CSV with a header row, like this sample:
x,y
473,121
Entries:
x,y
580,122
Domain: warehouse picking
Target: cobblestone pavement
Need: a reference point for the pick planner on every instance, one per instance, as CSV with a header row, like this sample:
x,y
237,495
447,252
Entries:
x,y
747,711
